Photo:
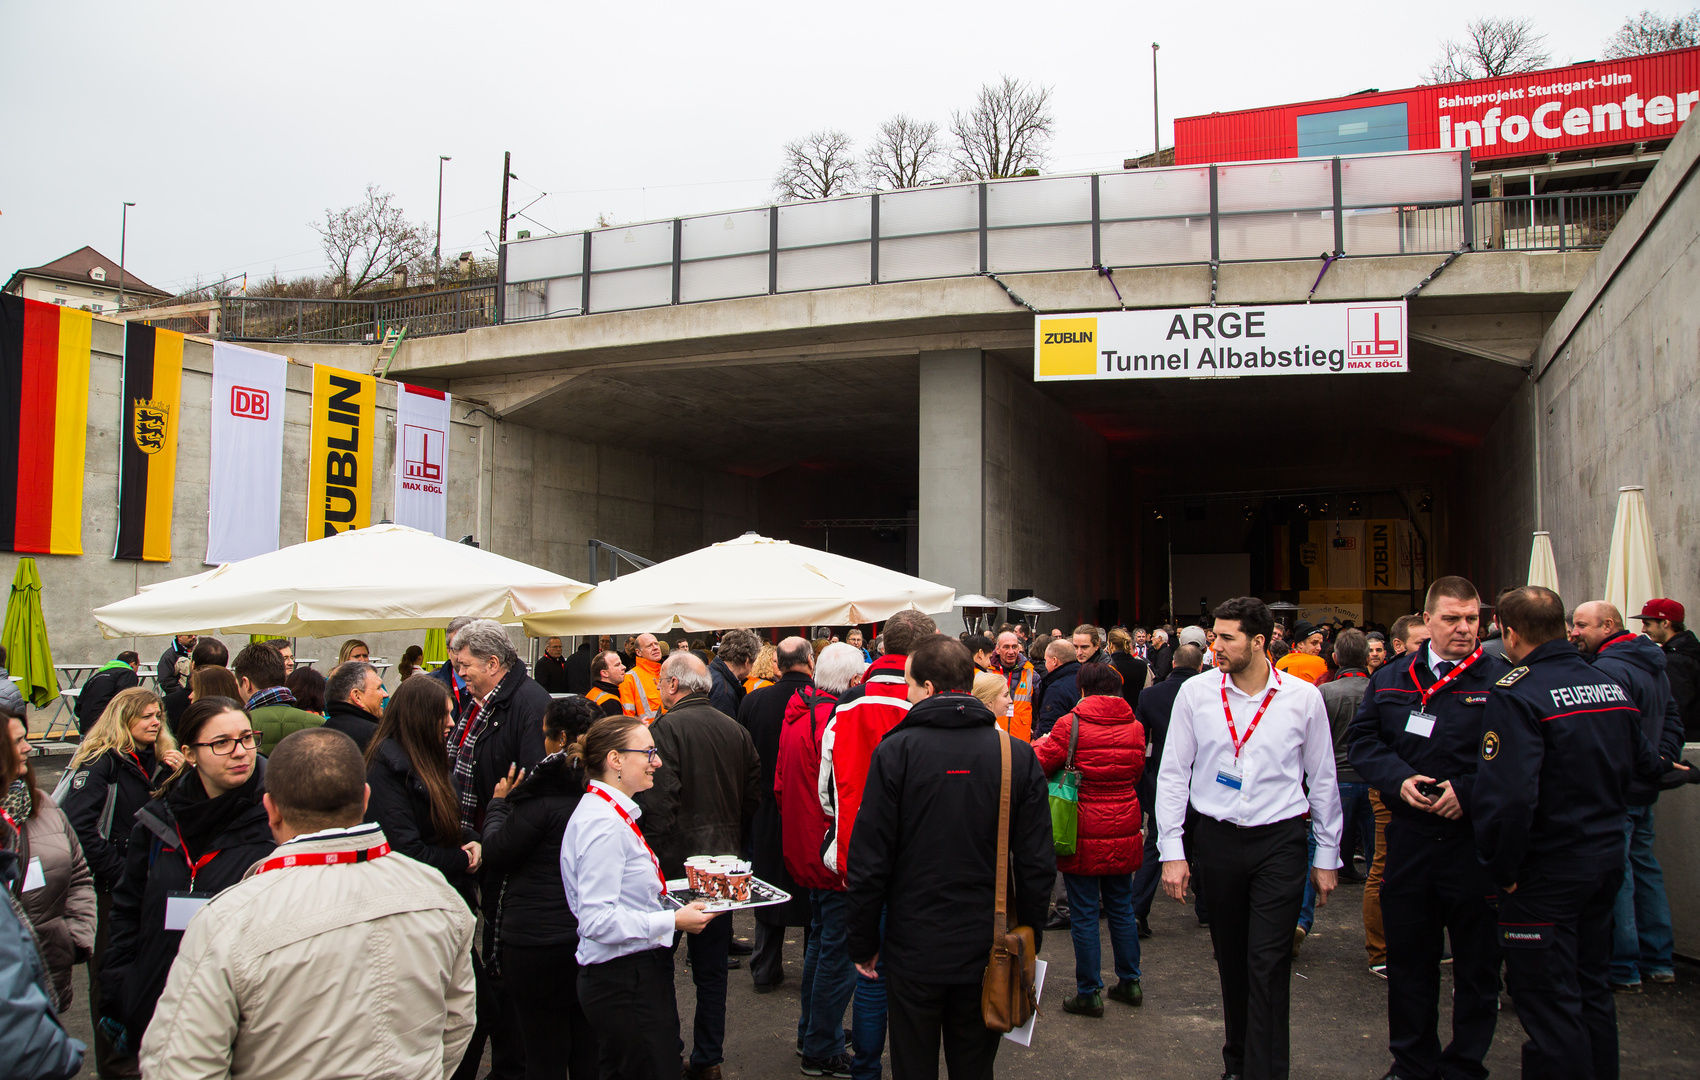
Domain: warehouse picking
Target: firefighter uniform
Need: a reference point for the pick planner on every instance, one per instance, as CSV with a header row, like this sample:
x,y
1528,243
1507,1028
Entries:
x,y
1561,745
1423,716
1018,721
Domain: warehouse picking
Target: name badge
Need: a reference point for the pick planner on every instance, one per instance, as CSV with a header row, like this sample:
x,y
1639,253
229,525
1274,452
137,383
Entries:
x,y
1420,724
33,877
1230,776
180,907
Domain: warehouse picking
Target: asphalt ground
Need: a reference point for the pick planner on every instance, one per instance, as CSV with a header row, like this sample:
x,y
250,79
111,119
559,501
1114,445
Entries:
x,y
1339,1009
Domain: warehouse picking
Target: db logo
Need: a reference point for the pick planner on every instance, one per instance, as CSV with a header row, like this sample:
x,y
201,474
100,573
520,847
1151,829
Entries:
x,y
248,402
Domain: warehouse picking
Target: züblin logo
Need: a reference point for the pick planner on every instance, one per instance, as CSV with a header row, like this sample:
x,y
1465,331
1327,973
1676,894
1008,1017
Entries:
x,y
1066,346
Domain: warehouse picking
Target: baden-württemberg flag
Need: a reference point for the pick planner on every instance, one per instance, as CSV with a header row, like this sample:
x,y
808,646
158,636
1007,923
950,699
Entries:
x,y
44,408
147,467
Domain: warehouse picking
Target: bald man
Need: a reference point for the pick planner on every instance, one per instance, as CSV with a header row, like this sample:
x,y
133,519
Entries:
x,y
1641,922
640,691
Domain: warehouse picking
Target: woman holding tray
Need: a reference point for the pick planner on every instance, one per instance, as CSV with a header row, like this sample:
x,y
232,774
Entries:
x,y
615,886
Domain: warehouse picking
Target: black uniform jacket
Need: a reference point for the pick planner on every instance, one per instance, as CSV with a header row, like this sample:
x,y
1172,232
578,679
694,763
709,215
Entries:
x,y
1386,752
1561,745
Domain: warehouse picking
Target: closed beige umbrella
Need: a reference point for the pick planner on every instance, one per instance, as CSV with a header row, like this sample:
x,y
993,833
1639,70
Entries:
x,y
1543,569
1632,570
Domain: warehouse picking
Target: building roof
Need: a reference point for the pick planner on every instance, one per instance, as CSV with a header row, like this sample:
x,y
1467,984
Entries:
x,y
78,266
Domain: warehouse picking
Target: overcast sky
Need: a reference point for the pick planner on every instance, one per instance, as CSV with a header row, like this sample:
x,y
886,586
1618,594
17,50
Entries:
x,y
233,125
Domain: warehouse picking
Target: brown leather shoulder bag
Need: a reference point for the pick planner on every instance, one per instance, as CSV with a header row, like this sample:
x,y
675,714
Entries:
x,y
1006,991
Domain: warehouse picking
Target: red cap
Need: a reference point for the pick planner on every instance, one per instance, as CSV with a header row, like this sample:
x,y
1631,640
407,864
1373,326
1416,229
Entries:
x,y
1661,609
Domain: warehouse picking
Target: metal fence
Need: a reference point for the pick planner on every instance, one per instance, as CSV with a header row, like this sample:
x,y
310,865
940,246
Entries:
x,y
448,311
1565,221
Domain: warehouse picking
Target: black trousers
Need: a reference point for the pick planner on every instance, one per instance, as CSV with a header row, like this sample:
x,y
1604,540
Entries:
x,y
1253,882
1556,933
630,1003
1431,888
767,960
108,1061
924,1014
542,984
497,1024
709,951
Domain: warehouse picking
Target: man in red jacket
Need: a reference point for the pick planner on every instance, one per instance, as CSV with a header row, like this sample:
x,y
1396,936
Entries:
x,y
827,974
864,714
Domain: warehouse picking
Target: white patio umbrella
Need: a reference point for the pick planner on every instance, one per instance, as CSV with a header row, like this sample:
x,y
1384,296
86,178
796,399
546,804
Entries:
x,y
386,577
1632,569
750,581
1543,568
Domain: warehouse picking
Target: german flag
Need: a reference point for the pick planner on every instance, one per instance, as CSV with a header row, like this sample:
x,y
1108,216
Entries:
x,y
44,419
147,467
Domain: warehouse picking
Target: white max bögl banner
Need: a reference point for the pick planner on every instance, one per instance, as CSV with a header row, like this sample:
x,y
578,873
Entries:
x,y
422,458
245,485
1183,343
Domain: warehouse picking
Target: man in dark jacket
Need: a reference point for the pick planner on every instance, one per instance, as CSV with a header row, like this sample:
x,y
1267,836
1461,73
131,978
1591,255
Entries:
x,y
1160,655
704,798
354,701
1661,620
208,652
99,689
165,672
1058,690
1641,922
551,670
578,668
1341,696
762,714
737,654
1156,703
925,851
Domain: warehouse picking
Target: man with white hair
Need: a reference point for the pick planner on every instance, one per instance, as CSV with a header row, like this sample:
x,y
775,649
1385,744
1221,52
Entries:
x,y
1161,655
704,798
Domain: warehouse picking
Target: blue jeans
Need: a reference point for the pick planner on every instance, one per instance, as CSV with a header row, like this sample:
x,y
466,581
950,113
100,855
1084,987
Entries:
x,y
1641,938
867,1022
1307,913
1358,824
827,977
1083,896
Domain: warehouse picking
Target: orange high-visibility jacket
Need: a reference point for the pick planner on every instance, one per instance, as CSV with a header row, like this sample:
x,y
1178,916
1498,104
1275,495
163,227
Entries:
x,y
640,691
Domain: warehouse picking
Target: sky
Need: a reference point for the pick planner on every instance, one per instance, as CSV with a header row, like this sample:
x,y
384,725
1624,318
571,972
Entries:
x,y
234,126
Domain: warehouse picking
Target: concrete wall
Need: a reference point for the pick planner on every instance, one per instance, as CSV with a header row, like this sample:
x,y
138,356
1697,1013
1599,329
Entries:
x,y
530,495
1614,400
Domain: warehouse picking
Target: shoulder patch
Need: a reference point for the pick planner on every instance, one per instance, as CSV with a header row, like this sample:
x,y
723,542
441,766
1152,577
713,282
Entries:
x,y
1490,746
80,780
1512,676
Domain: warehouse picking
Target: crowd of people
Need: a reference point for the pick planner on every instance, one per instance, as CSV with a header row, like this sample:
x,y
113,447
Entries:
x,y
271,875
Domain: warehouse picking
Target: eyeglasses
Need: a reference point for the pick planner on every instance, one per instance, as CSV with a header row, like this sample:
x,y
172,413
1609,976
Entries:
x,y
225,745
651,753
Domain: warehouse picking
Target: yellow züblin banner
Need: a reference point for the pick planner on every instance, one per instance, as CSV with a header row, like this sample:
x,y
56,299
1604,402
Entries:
x,y
339,475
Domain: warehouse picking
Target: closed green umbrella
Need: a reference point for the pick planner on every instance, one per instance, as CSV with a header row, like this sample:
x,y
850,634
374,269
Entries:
x,y
25,639
436,648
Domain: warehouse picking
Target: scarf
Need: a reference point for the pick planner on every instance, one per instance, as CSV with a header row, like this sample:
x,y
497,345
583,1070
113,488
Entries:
x,y
16,803
275,695
463,750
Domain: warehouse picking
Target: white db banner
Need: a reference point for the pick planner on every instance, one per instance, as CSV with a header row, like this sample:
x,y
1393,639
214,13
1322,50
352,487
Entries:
x,y
421,458
1213,342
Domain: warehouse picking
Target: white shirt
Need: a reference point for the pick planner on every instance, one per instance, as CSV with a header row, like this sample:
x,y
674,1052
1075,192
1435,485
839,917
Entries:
x,y
611,881
1292,744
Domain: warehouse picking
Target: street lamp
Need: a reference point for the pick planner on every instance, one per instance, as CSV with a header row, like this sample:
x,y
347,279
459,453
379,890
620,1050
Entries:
x,y
123,239
437,250
1156,128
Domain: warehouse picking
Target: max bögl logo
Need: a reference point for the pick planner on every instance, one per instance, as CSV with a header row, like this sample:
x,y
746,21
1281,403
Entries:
x,y
1068,346
422,454
147,424
245,401
1375,333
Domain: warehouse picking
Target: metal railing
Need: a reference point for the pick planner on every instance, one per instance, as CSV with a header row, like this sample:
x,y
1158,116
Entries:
x,y
1563,221
448,311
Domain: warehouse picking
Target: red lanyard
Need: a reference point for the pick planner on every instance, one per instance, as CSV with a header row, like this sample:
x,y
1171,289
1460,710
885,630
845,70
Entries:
x,y
324,858
627,818
194,865
1233,733
1445,680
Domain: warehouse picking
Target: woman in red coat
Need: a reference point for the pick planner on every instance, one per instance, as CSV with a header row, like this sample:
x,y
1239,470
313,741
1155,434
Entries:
x,y
1110,756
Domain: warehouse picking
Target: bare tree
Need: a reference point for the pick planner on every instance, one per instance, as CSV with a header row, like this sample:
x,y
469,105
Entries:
x,y
1650,32
1006,132
371,240
817,166
1491,47
906,153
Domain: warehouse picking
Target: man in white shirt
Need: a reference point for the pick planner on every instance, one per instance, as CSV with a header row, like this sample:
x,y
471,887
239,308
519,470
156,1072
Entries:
x,y
1243,745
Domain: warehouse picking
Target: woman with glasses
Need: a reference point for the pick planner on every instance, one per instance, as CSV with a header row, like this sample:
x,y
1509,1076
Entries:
x,y
123,758
199,835
626,925
413,797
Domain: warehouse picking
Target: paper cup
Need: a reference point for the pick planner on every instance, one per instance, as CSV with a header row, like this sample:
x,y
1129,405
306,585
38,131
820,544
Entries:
x,y
738,886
